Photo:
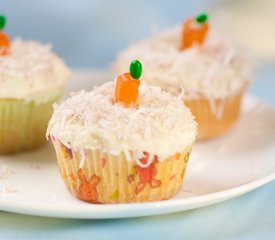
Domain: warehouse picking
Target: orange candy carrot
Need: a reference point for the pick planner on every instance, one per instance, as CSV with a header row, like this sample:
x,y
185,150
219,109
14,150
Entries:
x,y
194,31
126,91
4,39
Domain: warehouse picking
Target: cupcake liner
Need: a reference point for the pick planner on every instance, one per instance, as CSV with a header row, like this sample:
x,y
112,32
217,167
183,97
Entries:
x,y
23,123
211,124
98,177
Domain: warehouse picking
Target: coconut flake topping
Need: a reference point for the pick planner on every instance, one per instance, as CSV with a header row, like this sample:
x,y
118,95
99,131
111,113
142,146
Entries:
x,y
218,68
161,125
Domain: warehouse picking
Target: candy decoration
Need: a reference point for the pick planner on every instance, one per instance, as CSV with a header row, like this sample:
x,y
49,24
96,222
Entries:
x,y
4,39
135,69
2,22
126,91
194,31
202,18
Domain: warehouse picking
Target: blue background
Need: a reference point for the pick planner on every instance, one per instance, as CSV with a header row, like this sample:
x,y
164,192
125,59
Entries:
x,y
88,33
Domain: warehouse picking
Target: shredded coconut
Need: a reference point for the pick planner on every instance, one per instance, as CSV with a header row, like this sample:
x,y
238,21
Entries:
x,y
161,125
217,69
29,69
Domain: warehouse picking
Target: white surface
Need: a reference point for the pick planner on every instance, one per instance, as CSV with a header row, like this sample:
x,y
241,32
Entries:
x,y
219,169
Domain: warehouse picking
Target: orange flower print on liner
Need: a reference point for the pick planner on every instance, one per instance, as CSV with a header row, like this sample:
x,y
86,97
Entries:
x,y
66,152
172,177
103,162
87,190
130,178
177,156
4,38
72,176
194,31
147,175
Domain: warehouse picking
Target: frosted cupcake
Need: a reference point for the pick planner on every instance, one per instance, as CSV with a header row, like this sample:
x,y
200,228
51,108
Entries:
x,y
211,68
125,141
32,78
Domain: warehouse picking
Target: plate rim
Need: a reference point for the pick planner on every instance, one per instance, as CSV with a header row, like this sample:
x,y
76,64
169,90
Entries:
x,y
113,211
130,210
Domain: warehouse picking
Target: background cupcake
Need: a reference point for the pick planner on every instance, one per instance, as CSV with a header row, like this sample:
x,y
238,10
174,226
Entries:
x,y
32,78
211,68
115,147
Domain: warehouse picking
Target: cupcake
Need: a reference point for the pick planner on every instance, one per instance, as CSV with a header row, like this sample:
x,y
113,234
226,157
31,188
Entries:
x,y
32,78
125,141
213,70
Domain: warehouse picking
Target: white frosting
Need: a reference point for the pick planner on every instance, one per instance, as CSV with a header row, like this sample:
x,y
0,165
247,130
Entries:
x,y
31,71
218,68
161,124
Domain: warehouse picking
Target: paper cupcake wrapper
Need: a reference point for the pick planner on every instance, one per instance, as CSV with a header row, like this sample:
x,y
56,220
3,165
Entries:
x,y
211,124
23,123
105,178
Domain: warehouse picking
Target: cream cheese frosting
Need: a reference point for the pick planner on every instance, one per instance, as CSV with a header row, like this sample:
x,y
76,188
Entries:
x,y
31,71
161,125
217,69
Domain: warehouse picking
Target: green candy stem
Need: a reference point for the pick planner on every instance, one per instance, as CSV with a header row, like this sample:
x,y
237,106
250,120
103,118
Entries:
x,y
2,22
201,18
135,69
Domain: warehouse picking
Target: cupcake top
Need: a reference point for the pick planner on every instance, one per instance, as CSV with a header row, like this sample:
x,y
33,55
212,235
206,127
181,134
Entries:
x,y
217,68
158,124
31,70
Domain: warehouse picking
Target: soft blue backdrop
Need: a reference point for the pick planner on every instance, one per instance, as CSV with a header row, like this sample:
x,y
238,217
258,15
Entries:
x,y
88,33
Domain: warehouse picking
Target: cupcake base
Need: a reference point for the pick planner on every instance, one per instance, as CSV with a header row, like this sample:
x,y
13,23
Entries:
x,y
23,124
213,124
106,178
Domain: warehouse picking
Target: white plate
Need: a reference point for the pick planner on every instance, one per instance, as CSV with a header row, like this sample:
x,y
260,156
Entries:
x,y
219,169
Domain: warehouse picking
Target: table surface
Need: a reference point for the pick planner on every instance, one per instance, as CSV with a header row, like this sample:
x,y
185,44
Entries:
x,y
250,216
